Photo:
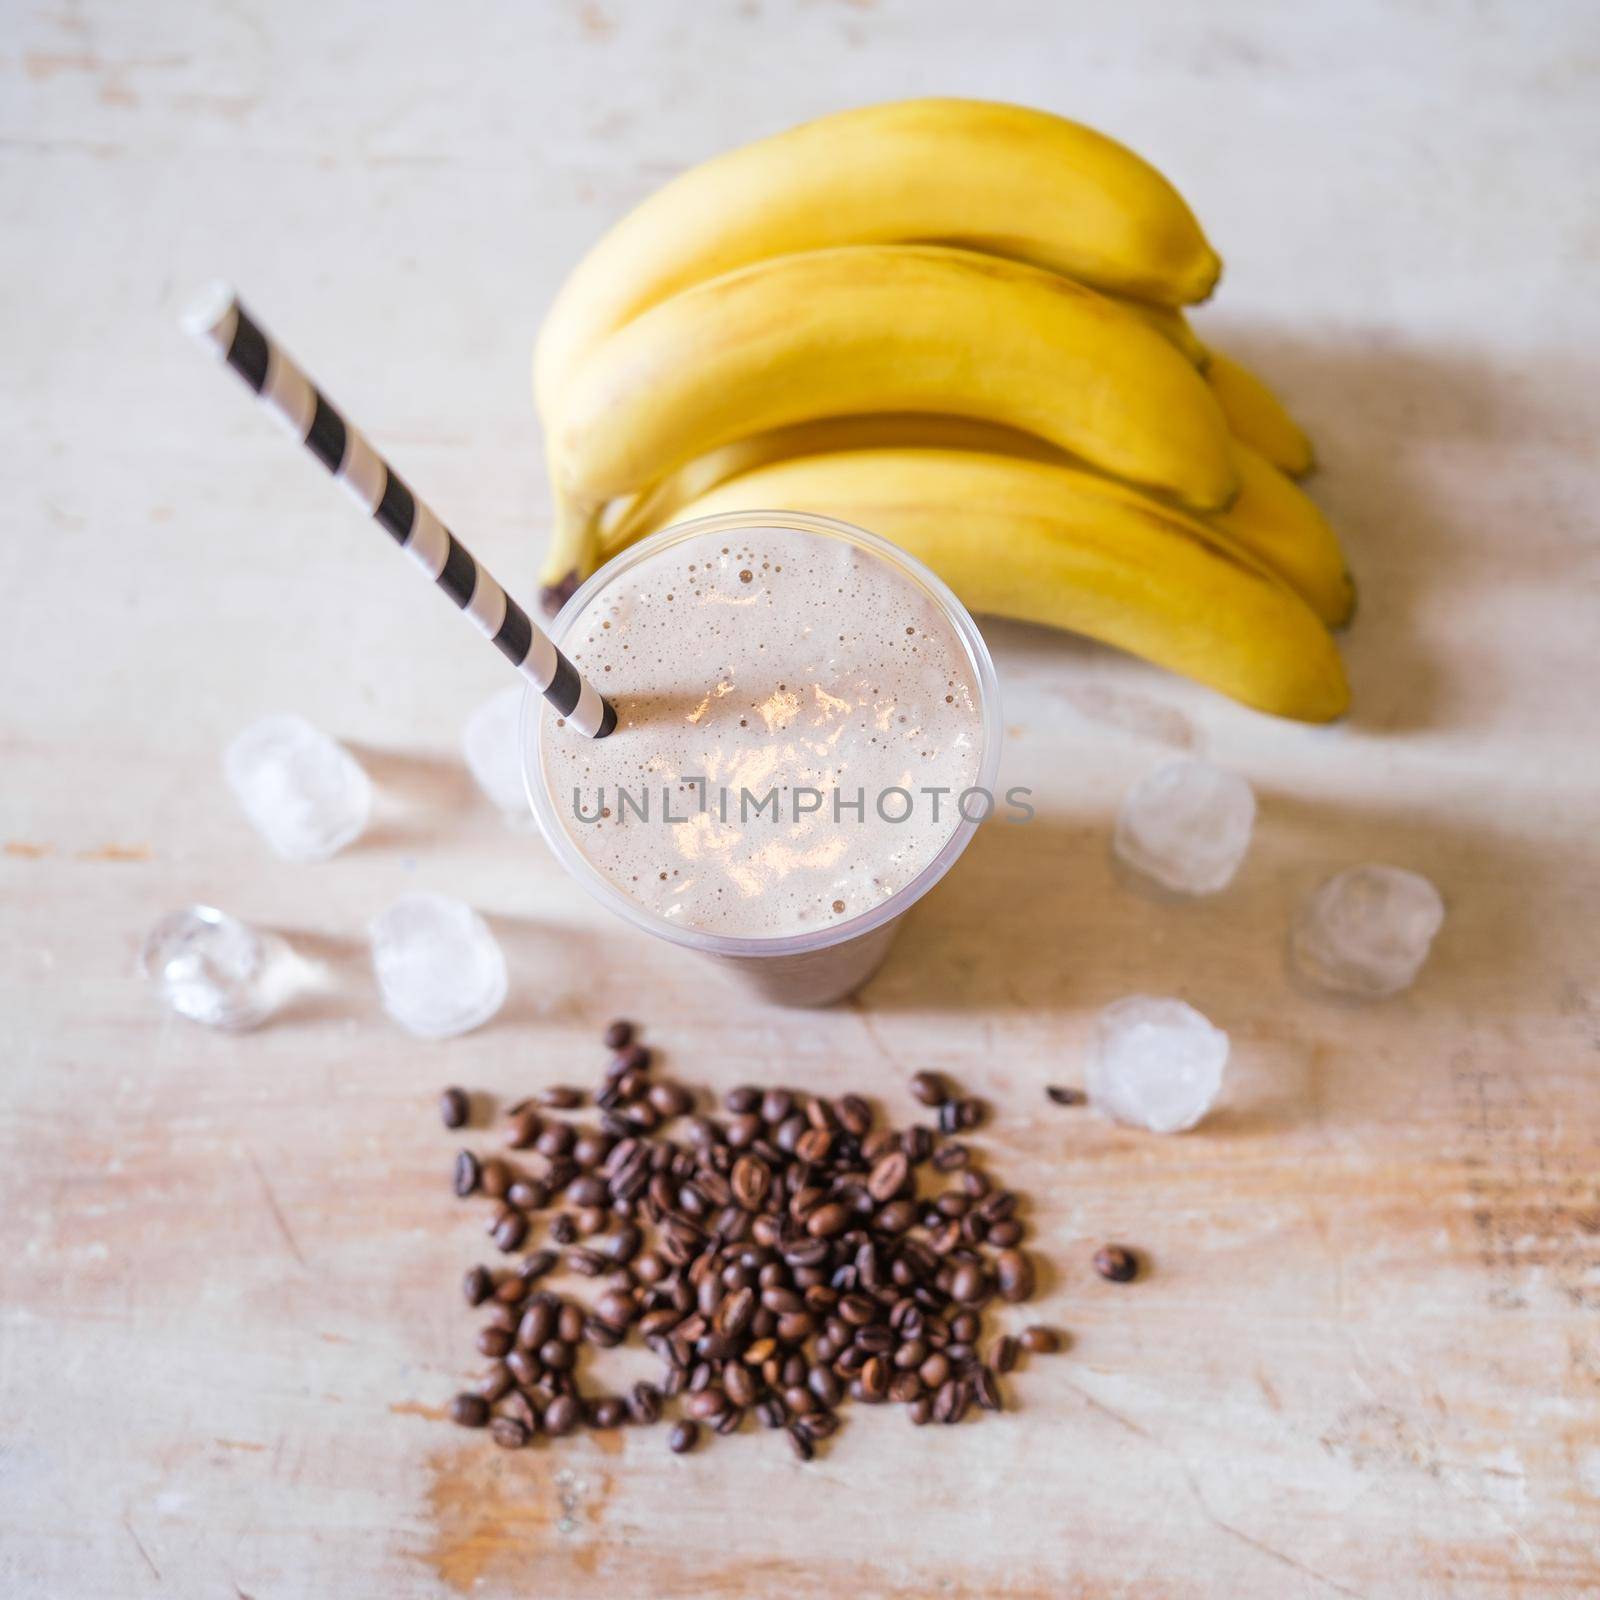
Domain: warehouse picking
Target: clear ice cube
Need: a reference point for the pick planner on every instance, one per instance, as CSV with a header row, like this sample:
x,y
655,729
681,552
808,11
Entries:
x,y
440,970
305,793
1187,825
1155,1064
491,741
1367,931
215,969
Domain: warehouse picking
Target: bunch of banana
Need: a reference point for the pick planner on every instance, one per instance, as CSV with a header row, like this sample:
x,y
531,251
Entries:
x,y
959,324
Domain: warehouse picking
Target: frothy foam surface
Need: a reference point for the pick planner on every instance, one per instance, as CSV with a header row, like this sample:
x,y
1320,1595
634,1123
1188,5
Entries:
x,y
766,659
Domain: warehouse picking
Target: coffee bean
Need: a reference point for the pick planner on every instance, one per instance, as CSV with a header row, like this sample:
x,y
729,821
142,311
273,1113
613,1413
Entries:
x,y
1065,1097
828,1221
949,1118
1004,1355
670,1099
1117,1263
510,1231
1015,1273
888,1176
935,1370
929,1089
644,1403
985,1390
556,1139
495,1179
742,1101
470,1411
561,1097
563,1229
477,1285
855,1115
1005,1235
608,1412
523,1128
968,1282
618,1034
496,1382
524,1367
509,1433
950,1157
800,1442
467,1174
1041,1340
683,1437
454,1108
493,1342
969,1113
562,1415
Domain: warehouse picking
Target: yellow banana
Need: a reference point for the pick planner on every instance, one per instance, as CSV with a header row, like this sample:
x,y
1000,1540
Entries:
x,y
1272,519
1052,544
1257,416
1170,323
1279,523
876,328
1001,178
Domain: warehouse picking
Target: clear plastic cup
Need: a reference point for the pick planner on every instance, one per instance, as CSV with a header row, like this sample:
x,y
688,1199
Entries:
x,y
801,969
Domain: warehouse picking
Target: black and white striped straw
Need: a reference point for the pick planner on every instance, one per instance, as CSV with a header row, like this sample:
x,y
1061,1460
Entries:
x,y
220,322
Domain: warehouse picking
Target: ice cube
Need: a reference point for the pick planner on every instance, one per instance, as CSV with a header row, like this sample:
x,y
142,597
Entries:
x,y
305,793
215,969
1155,1064
491,741
1367,931
1187,825
440,970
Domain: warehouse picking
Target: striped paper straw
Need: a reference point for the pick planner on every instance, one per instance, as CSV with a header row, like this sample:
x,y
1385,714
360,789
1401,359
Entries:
x,y
219,321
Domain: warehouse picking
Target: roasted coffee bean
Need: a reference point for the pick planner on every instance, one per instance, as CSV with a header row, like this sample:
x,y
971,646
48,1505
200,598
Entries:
x,y
949,1117
527,1194
467,1174
1117,1263
509,1433
523,1128
951,1157
1005,1235
740,1383
1003,1357
742,1101
897,1216
888,1176
854,1114
776,1106
569,1323
557,1355
670,1099
556,1140
493,1342
502,1316
967,1283
828,1221
524,1367
511,1230
683,1437
1016,1277
608,1412
814,1144
454,1108
618,1034
633,1057
929,1089
969,1113
496,1383
1041,1340
706,1404
562,1415
950,1402
470,1411
563,1229
589,1190
644,1403
591,1148
560,1097
477,1285
985,1390
751,1179
495,1178
1063,1096
935,1371
801,1443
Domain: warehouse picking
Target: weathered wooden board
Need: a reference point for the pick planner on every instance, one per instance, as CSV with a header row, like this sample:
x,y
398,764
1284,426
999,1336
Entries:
x,y
1366,1359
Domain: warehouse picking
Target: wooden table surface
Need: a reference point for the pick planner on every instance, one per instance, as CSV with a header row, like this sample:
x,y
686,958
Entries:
x,y
1365,1360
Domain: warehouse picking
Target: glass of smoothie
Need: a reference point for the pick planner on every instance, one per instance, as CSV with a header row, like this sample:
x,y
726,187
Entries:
x,y
808,736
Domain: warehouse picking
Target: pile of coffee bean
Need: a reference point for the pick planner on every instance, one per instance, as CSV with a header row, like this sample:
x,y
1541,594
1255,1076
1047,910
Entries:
x,y
779,1258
